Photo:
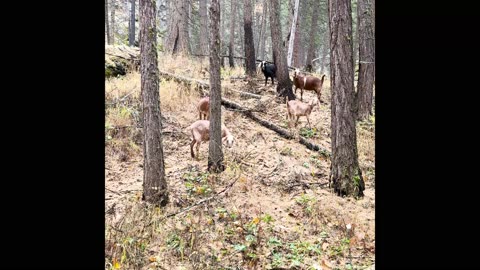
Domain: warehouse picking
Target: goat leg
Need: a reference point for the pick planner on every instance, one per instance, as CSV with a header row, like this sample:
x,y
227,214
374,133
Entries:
x,y
191,148
308,121
198,150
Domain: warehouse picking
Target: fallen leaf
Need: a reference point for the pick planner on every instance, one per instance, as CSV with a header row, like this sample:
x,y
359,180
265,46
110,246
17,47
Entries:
x,y
153,259
325,246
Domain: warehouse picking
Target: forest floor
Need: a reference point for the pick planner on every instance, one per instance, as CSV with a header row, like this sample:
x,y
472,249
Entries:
x,y
276,210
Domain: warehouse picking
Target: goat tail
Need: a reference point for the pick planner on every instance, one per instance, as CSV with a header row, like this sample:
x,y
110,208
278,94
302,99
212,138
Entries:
x,y
323,77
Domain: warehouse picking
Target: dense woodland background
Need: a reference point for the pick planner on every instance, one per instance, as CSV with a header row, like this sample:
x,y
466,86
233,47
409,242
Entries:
x,y
186,22
283,197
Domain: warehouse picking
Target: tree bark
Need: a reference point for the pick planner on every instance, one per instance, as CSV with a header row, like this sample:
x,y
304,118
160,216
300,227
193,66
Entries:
x,y
326,49
366,72
346,175
299,47
231,45
112,17
154,182
311,43
177,37
263,36
250,67
292,34
241,33
203,26
131,28
215,154
107,24
284,84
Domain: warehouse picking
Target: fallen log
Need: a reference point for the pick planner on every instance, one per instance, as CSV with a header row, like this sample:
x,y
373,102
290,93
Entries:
x,y
281,131
248,112
120,59
203,85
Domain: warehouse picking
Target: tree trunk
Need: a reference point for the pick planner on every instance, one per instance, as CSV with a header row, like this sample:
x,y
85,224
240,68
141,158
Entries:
x,y
263,36
215,154
366,61
231,45
154,182
203,26
324,57
326,49
249,45
345,171
177,37
292,34
131,28
222,31
284,84
299,44
112,25
288,26
311,42
240,29
107,24
354,34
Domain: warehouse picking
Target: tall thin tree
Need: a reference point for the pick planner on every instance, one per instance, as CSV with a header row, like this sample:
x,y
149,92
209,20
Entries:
x,y
249,45
298,44
215,154
177,40
366,71
325,48
113,7
284,84
203,26
262,36
107,24
346,175
312,36
292,34
154,182
241,33
231,45
131,26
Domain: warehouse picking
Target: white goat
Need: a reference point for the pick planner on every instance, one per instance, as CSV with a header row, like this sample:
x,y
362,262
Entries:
x,y
201,133
298,108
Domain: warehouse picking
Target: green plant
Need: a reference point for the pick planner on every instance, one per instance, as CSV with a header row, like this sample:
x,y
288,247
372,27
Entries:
x,y
308,133
277,260
267,218
286,151
303,199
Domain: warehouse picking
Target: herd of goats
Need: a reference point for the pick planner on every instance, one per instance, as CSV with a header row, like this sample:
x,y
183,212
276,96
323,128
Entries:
x,y
295,108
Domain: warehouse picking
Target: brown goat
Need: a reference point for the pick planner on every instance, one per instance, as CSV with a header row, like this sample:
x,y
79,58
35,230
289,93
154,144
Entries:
x,y
203,108
201,133
298,108
307,83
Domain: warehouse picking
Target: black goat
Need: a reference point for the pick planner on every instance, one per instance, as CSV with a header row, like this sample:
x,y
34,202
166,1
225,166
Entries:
x,y
269,70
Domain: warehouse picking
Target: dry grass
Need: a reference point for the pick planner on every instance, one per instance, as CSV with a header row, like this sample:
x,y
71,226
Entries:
x,y
242,228
175,97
